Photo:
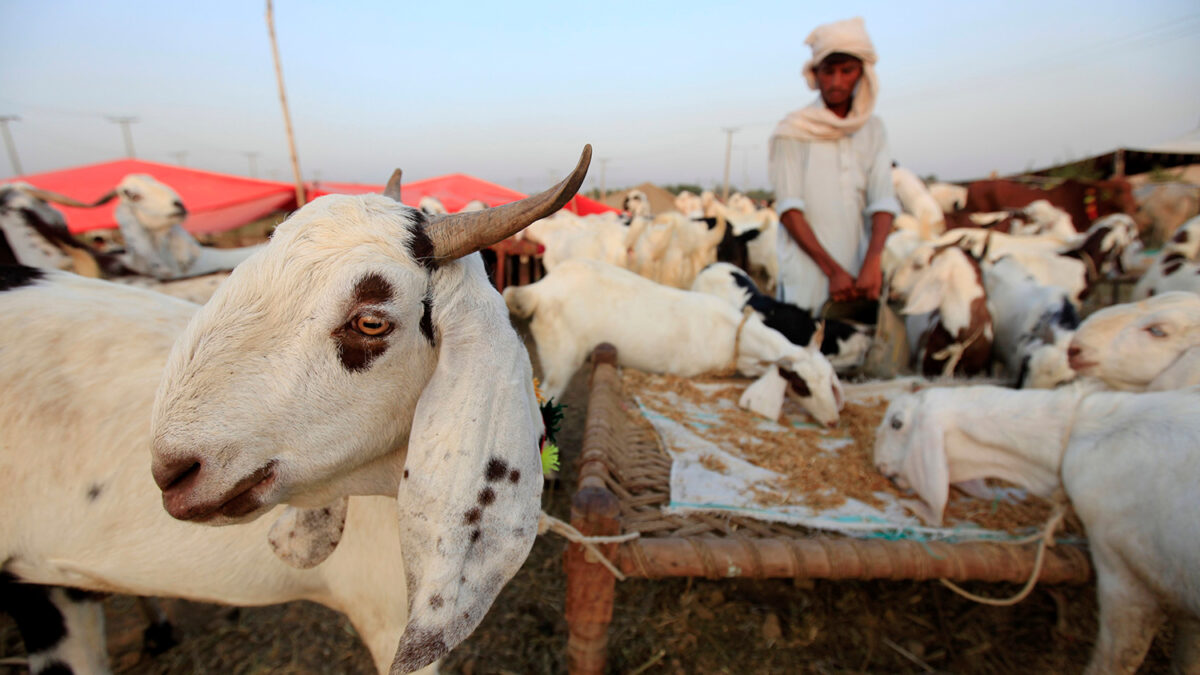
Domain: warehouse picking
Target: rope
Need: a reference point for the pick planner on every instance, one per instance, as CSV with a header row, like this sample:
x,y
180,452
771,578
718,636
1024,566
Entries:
x,y
549,523
1044,539
954,352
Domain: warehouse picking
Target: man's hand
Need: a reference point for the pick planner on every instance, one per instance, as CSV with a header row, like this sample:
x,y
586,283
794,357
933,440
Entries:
x,y
842,286
870,280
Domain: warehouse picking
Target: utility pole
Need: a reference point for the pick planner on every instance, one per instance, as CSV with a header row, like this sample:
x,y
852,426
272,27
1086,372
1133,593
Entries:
x,y
180,157
603,170
125,122
253,157
287,116
8,143
728,156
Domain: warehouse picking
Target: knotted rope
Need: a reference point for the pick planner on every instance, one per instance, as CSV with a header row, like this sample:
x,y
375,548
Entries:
x,y
549,523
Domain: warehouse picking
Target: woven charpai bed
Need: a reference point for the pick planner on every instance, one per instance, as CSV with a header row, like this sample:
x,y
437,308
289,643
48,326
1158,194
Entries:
x,y
624,487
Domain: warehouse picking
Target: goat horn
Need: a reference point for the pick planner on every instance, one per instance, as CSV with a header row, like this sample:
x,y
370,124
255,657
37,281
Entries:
x,y
393,186
54,197
460,234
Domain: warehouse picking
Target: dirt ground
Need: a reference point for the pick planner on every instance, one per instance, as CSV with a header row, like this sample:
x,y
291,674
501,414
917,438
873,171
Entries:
x,y
678,626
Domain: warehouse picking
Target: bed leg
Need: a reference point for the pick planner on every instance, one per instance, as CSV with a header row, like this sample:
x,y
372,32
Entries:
x,y
590,586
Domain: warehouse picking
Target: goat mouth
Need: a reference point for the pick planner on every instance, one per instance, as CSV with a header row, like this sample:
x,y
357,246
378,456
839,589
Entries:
x,y
246,496
1079,365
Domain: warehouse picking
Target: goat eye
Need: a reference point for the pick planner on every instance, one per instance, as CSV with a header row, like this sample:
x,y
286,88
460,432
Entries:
x,y
1156,331
896,423
372,325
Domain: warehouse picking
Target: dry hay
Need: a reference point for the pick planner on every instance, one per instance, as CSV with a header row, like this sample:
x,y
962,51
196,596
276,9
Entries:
x,y
813,475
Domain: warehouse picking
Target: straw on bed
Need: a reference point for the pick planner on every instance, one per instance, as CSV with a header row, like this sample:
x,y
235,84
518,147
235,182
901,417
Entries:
x,y
624,483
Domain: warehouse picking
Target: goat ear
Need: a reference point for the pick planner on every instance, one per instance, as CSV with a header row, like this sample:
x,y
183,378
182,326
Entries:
x,y
304,538
925,467
926,294
765,395
469,502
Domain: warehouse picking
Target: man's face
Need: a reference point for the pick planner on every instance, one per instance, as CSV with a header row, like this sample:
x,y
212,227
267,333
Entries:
x,y
836,79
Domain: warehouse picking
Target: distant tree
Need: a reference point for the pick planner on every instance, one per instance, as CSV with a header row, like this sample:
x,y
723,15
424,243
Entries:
x,y
680,187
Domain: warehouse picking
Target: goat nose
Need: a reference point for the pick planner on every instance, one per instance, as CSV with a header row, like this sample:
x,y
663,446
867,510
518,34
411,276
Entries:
x,y
1073,351
177,474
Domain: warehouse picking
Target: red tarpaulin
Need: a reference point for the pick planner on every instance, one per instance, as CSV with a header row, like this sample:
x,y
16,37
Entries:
x,y
454,191
215,202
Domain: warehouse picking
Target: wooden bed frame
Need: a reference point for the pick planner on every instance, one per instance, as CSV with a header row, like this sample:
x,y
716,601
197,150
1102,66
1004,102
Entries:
x,y
624,482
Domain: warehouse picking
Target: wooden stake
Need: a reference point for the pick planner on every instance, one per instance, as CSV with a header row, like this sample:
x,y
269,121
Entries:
x,y
287,117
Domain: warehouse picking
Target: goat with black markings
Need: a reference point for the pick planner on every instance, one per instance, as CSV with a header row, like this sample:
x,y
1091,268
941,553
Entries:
x,y
845,343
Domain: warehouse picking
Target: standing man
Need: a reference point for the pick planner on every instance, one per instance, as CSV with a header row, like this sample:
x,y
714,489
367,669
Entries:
x,y
832,173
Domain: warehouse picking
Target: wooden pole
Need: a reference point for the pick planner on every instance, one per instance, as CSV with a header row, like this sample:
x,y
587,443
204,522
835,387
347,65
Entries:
x,y
287,116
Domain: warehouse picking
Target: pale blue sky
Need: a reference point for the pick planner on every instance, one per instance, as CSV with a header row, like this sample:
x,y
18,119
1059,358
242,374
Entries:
x,y
511,91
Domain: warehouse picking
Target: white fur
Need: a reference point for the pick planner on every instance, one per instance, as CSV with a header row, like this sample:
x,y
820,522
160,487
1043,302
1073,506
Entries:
x,y
75,420
1129,345
949,197
150,215
256,386
1027,317
917,200
657,329
1129,464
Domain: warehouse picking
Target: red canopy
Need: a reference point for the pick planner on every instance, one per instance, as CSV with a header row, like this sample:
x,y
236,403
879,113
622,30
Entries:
x,y
586,206
454,191
215,201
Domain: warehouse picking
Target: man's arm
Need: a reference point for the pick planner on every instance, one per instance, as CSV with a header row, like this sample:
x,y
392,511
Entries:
x,y
841,284
870,277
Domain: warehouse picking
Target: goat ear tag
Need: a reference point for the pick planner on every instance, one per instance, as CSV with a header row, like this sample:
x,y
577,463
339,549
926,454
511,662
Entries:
x,y
304,538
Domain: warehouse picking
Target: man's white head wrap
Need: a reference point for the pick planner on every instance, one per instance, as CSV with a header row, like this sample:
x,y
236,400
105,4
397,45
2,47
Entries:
x,y
815,122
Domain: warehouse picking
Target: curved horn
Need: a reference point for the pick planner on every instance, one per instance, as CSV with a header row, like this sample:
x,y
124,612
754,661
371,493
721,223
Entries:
x,y
54,197
460,234
393,186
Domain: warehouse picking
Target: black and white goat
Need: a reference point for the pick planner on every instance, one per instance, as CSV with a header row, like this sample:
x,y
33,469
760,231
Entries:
x,y
362,352
845,343
659,329
1033,325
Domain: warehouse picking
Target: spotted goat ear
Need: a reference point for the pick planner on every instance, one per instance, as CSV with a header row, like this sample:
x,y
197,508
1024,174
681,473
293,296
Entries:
x,y
470,499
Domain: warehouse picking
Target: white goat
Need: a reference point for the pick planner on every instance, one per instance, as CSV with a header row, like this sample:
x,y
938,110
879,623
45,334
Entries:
x,y
41,239
432,206
672,249
1131,346
82,509
916,199
364,351
1029,317
949,197
150,215
1038,255
660,329
1129,463
637,204
689,204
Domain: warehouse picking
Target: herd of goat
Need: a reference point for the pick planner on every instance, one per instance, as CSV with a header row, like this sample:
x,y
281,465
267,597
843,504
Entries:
x,y
331,369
